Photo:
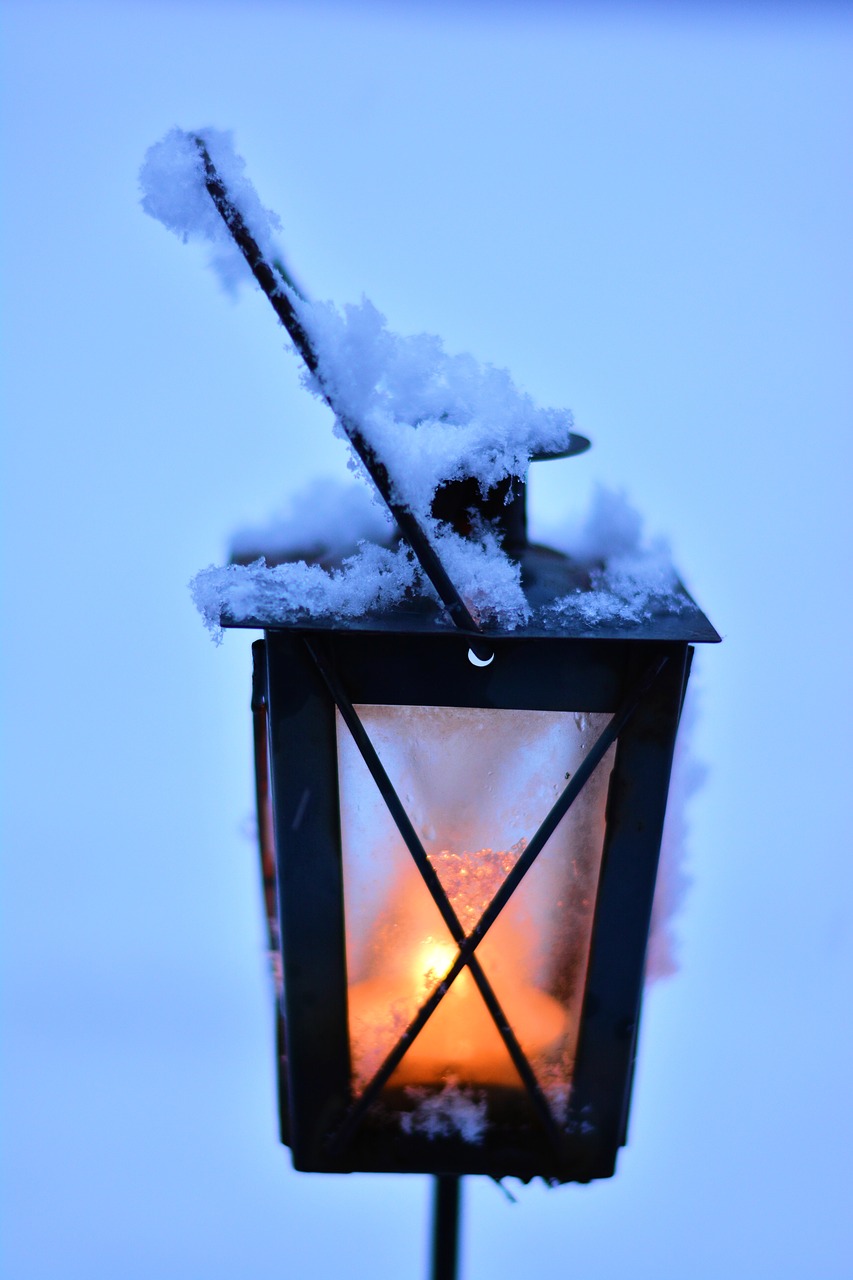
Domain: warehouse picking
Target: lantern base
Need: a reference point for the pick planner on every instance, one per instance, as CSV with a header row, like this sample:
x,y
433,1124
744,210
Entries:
x,y
453,1131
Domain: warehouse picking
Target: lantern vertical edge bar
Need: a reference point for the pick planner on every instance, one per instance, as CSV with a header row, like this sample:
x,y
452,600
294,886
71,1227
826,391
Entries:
x,y
310,885
269,870
635,815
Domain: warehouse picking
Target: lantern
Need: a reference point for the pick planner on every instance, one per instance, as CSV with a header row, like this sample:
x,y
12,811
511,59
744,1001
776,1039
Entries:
x,y
460,847
459,829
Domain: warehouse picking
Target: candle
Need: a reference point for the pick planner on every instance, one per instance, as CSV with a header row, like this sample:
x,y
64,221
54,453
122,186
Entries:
x,y
411,956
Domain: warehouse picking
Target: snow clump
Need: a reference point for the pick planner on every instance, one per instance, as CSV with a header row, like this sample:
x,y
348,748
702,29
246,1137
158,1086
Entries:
x,y
454,1110
344,534
374,578
174,192
431,417
631,578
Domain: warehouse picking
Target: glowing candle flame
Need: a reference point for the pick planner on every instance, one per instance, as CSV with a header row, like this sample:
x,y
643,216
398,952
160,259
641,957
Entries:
x,y
434,962
460,1039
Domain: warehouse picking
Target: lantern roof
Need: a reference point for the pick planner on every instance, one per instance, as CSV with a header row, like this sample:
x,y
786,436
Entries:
x,y
565,601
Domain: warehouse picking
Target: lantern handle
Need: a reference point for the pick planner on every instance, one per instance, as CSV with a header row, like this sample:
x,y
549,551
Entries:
x,y
279,290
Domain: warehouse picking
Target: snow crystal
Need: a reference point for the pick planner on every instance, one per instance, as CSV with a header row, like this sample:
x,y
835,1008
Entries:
x,y
630,579
452,1111
430,416
174,192
374,578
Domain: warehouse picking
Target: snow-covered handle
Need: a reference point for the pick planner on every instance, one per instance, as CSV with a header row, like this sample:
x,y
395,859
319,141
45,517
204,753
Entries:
x,y
280,293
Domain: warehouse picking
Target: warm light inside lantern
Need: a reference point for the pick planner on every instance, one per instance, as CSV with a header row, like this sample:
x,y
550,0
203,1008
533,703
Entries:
x,y
460,1039
476,784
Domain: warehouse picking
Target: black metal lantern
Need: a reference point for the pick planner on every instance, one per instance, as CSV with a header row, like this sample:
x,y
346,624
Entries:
x,y
459,829
460,854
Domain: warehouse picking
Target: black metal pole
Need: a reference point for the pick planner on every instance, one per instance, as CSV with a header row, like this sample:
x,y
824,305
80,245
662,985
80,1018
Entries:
x,y
446,1197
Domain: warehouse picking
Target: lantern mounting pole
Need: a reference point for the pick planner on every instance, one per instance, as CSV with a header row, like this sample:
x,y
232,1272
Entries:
x,y
279,290
447,1190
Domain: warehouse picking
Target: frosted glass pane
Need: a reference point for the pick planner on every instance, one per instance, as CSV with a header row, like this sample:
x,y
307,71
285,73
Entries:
x,y
476,785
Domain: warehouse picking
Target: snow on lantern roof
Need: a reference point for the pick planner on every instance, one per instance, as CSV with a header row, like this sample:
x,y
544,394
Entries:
x,y
606,582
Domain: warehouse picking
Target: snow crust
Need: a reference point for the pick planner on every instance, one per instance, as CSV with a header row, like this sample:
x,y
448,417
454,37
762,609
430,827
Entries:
x,y
455,1110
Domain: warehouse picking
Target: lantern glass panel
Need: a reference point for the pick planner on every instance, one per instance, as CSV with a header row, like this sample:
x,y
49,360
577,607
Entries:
x,y
476,784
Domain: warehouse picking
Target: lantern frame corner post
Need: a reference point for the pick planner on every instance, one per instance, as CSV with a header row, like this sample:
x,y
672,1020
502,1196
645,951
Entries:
x,y
317,1088
636,807
269,869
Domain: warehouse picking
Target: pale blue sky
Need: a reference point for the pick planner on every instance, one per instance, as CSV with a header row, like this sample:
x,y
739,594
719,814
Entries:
x,y
644,213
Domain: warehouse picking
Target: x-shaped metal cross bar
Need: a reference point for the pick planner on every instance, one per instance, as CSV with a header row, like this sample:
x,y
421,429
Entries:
x,y
468,943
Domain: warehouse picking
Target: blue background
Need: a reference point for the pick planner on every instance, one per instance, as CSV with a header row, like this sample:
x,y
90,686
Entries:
x,y
643,212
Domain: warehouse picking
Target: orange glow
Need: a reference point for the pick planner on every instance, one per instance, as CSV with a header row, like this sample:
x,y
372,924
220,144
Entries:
x,y
411,958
